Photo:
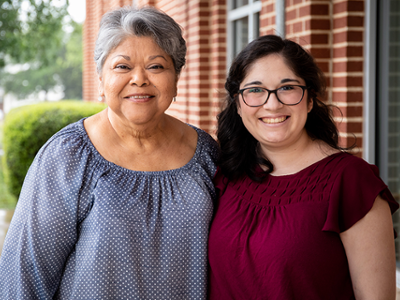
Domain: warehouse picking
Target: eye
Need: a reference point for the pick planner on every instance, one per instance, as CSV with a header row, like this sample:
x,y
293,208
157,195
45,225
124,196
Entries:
x,y
121,67
286,88
156,67
255,90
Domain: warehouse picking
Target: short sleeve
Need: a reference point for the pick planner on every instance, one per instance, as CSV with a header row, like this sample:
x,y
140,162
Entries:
x,y
355,188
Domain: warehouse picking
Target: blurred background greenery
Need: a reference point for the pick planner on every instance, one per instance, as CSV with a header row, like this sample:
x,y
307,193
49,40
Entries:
x,y
40,61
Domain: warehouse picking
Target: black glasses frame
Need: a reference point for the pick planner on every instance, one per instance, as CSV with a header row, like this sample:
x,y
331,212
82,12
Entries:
x,y
303,87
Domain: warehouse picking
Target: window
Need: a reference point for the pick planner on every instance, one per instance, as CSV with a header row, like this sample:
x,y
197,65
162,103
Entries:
x,y
243,25
388,100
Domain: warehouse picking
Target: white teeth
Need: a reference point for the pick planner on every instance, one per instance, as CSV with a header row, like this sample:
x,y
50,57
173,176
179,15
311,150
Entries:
x,y
139,97
273,120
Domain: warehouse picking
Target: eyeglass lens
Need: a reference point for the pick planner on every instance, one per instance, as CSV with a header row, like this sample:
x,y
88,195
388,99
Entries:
x,y
287,94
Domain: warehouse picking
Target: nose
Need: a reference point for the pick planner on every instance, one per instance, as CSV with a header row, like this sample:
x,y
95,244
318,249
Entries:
x,y
139,77
272,103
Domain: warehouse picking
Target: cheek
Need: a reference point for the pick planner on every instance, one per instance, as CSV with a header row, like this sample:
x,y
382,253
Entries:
x,y
167,87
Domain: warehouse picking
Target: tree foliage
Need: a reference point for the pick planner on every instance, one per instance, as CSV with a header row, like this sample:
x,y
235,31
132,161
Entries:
x,y
30,30
65,71
71,66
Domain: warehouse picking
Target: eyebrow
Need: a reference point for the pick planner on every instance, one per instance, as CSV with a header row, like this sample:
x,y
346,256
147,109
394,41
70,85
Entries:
x,y
151,57
124,56
282,81
155,56
253,83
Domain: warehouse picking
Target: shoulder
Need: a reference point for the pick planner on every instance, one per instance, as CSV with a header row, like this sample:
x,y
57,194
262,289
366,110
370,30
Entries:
x,y
205,139
71,142
206,145
347,163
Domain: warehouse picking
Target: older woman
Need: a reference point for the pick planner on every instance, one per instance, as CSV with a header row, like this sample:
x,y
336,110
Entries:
x,y
118,205
297,217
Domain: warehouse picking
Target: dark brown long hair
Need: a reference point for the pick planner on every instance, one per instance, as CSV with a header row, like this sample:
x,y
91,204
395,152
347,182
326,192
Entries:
x,y
239,154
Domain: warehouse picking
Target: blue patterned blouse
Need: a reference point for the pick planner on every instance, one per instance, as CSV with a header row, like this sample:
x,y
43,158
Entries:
x,y
85,228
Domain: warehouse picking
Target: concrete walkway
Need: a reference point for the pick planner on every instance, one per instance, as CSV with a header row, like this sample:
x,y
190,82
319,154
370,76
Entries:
x,y
5,218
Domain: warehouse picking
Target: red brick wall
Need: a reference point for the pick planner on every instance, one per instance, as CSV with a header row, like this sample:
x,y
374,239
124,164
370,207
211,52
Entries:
x,y
203,77
332,30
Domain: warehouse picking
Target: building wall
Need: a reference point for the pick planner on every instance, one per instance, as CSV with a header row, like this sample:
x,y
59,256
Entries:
x,y
332,30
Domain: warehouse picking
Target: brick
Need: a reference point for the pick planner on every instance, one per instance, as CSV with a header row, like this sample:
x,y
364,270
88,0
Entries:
x,y
349,51
349,66
348,81
324,66
348,6
348,36
291,15
348,21
297,27
314,9
320,9
318,24
347,96
316,39
320,52
352,127
348,111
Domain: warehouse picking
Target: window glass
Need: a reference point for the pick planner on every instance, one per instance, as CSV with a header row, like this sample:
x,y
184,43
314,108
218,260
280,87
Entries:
x,y
388,89
256,26
239,3
240,34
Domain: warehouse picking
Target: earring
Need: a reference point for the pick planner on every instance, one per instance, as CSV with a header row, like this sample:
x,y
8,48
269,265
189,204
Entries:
x,y
100,99
174,99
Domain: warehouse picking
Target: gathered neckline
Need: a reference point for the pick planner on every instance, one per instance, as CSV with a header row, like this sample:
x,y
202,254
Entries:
x,y
188,165
308,167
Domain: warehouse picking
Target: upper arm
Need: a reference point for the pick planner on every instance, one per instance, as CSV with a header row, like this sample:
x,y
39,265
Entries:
x,y
369,246
43,230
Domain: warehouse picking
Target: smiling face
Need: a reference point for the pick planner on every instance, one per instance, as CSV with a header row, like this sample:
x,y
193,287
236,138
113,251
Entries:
x,y
138,81
274,124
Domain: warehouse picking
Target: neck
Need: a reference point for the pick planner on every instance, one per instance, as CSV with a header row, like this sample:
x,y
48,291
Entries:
x,y
138,135
293,158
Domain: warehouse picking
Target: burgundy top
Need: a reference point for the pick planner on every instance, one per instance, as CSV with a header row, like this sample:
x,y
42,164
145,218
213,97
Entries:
x,y
279,239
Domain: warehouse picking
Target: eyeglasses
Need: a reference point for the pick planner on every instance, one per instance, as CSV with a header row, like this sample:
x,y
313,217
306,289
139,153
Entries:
x,y
287,95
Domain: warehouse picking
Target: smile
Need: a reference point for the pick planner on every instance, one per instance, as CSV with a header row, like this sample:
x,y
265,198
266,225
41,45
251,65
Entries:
x,y
273,120
139,97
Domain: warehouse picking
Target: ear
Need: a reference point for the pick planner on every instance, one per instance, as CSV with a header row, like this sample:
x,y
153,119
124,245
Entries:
x,y
310,105
238,108
101,87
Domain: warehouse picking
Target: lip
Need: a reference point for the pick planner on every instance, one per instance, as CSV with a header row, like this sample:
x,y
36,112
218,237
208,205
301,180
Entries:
x,y
276,120
140,97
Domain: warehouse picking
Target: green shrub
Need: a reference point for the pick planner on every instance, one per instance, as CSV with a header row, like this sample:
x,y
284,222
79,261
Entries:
x,y
27,128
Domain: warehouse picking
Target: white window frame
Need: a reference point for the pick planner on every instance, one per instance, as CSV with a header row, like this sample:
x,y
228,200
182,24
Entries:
x,y
369,107
249,11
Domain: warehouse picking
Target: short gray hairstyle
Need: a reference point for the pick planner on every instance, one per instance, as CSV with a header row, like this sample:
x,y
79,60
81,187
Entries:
x,y
117,25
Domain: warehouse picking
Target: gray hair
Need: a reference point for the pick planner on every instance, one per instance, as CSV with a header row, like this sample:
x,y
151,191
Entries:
x,y
117,25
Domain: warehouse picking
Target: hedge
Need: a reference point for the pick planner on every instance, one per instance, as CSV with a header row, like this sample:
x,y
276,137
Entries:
x,y
27,128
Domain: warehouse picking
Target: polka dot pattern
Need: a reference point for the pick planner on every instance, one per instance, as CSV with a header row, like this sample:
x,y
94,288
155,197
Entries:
x,y
85,228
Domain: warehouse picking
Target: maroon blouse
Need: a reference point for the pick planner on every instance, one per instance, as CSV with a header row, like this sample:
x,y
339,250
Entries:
x,y
280,239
